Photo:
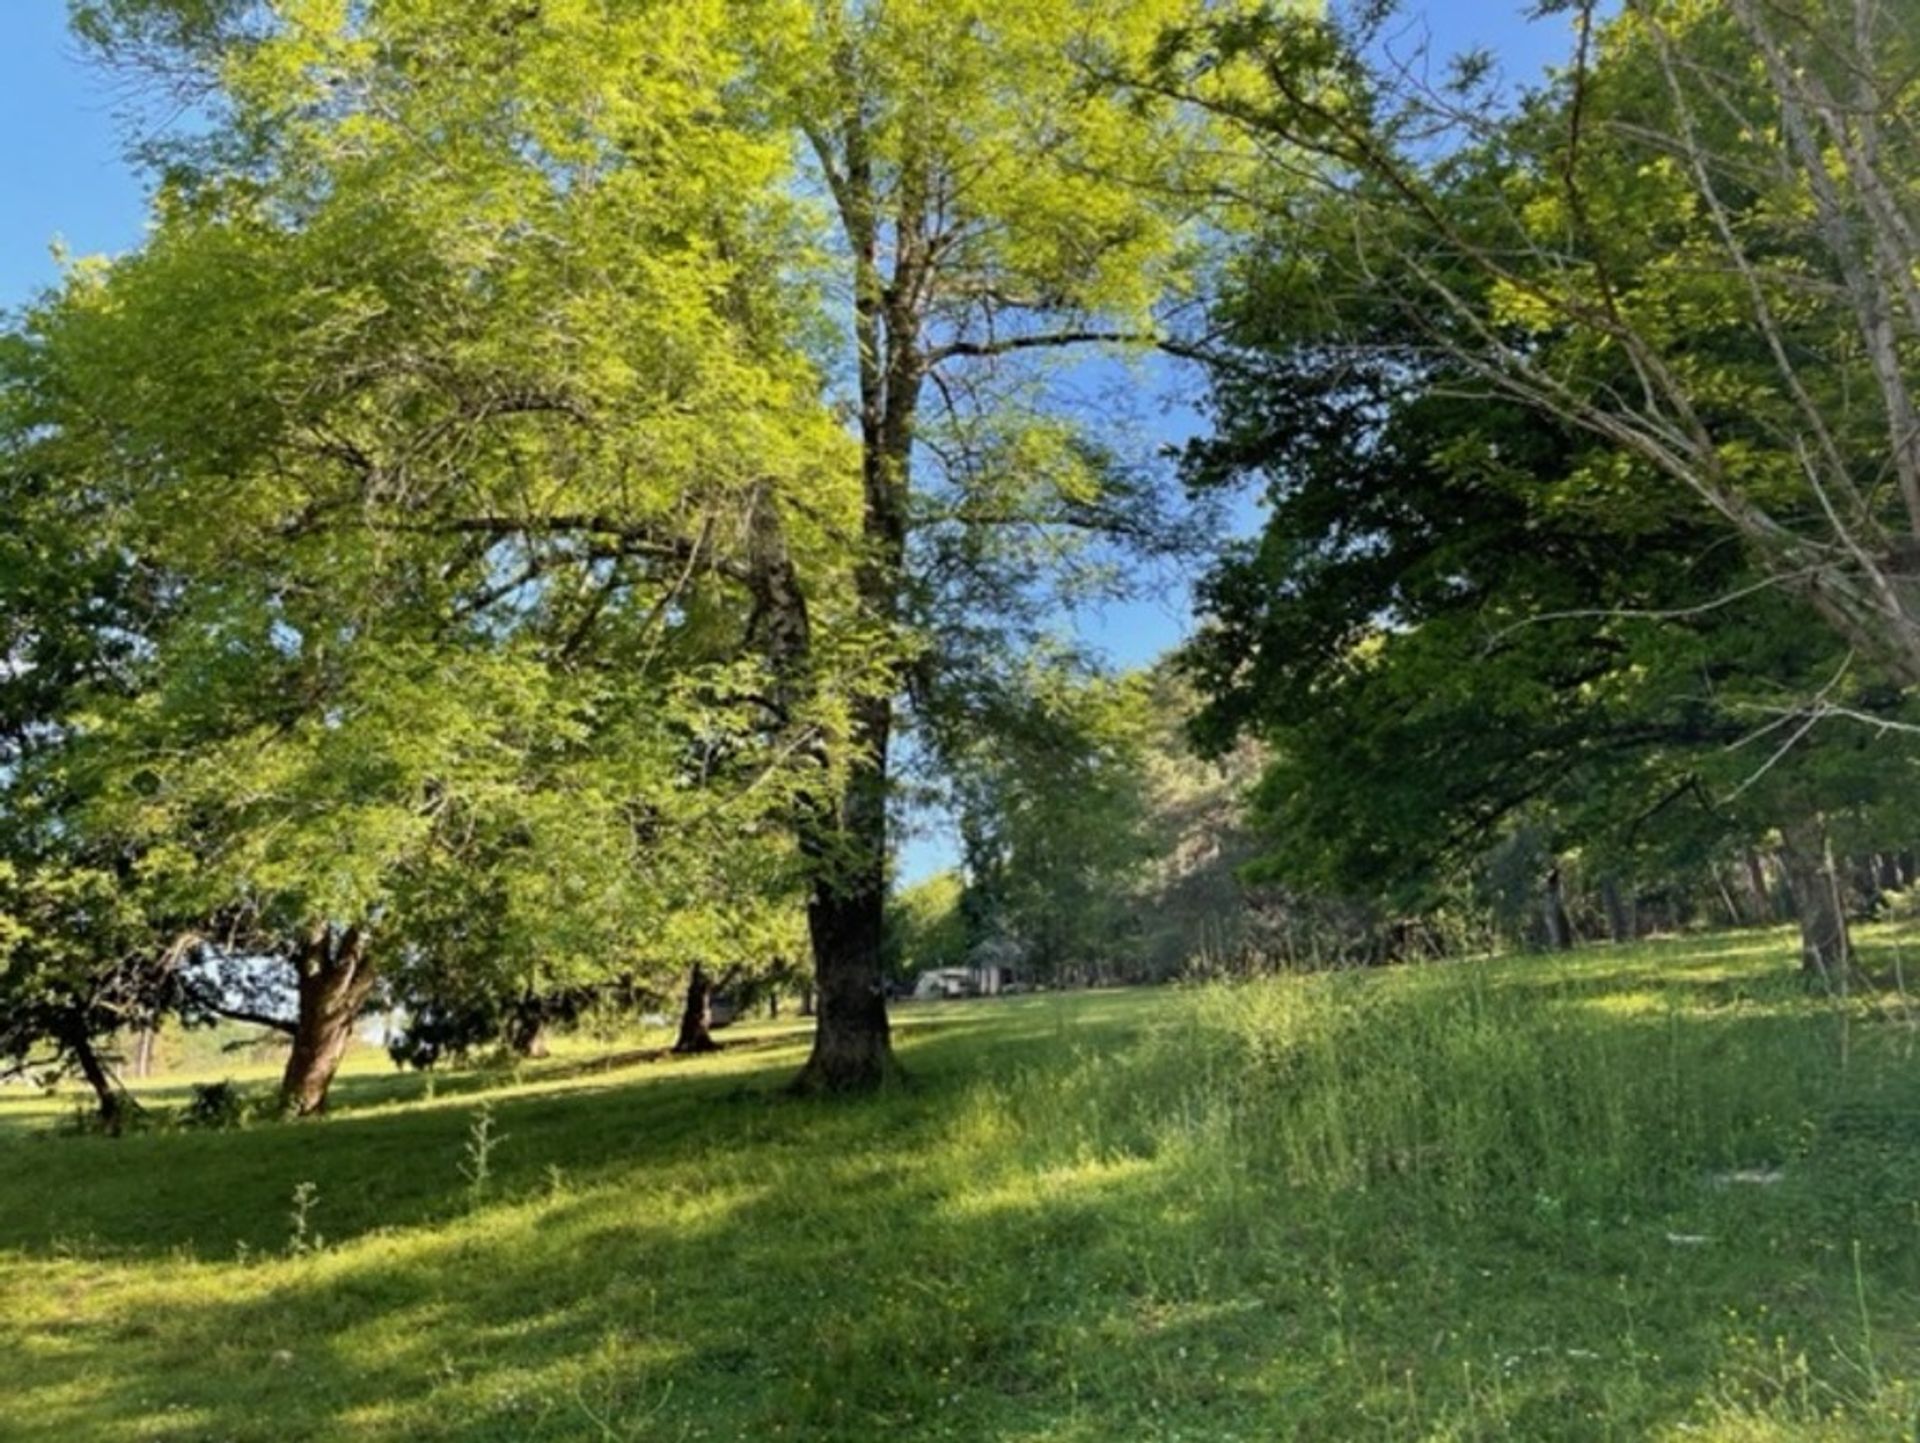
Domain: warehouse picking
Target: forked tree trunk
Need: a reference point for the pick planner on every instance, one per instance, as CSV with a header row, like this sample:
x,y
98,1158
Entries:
x,y
335,979
1818,900
696,1017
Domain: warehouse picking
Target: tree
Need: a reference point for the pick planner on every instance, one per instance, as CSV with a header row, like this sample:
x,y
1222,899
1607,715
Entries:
x,y
1694,245
983,191
1465,621
927,925
983,216
1048,785
476,446
80,958
77,965
1194,909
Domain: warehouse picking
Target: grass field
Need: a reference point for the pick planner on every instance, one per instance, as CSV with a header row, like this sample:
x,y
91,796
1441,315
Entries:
x,y
1643,1194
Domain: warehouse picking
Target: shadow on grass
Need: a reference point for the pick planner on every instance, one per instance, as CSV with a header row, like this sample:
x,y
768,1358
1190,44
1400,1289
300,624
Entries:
x,y
1065,1231
390,1153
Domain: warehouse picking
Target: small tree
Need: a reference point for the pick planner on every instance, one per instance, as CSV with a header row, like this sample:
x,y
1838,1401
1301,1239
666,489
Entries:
x,y
927,925
78,964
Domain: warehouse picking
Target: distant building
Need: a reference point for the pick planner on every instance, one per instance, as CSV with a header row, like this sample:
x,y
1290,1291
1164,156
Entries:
x,y
985,979
939,982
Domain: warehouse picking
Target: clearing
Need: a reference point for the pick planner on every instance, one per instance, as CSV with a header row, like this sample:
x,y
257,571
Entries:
x,y
1643,1193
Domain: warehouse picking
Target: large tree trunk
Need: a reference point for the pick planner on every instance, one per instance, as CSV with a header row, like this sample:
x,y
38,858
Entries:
x,y
852,1041
696,1018
845,836
1817,900
335,978
852,1047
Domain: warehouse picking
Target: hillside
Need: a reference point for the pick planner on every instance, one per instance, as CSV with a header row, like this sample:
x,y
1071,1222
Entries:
x,y
1648,1193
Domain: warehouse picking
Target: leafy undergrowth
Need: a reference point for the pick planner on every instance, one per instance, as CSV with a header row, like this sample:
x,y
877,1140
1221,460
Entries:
x,y
1645,1194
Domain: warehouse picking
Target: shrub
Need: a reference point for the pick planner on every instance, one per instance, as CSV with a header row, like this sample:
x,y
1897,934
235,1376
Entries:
x,y
217,1105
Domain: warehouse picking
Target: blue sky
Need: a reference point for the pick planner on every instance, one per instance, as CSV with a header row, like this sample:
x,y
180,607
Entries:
x,y
61,173
62,178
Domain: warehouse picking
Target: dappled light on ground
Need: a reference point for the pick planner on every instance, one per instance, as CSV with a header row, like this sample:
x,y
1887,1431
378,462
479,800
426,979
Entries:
x,y
1485,1200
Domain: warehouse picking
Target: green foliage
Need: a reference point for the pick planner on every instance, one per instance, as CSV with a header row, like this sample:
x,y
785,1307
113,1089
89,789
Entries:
x,y
1099,842
1691,246
458,405
1469,615
927,925
1048,791
1192,904
216,1105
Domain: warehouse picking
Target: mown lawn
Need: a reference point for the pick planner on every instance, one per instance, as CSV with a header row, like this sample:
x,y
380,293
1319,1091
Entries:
x,y
1644,1194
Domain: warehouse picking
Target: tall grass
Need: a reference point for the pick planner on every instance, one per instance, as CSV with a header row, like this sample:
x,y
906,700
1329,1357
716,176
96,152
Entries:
x,y
1629,1170
1652,1194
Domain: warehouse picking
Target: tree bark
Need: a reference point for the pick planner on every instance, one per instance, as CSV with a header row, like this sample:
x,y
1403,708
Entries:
x,y
852,1039
334,978
112,1101
696,1017
852,1044
1817,899
852,1048
527,1034
1763,908
844,837
1554,912
1888,867
1619,915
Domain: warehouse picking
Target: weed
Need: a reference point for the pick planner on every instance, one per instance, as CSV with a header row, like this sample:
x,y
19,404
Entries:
x,y
476,1164
301,1237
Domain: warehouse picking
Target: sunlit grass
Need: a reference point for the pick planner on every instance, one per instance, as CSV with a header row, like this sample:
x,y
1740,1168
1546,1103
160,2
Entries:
x,y
1489,1200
